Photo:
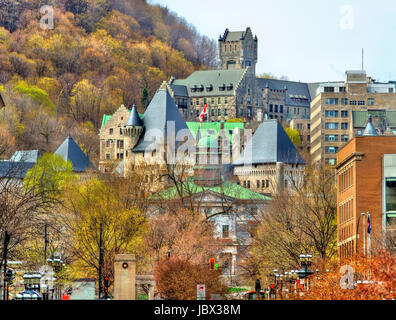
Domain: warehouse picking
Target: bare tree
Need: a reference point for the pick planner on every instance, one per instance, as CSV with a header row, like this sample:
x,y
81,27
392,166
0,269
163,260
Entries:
x,y
302,219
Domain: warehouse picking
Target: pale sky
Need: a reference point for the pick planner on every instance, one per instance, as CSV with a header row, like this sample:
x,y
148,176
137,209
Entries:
x,y
305,40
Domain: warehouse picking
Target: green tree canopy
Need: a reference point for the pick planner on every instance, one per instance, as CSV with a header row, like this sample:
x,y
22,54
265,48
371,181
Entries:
x,y
294,136
49,176
38,95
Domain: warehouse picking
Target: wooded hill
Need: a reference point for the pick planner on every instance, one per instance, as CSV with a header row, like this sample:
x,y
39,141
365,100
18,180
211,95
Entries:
x,y
100,54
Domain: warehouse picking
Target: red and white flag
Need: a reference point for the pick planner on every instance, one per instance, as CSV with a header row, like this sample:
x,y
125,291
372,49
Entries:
x,y
203,113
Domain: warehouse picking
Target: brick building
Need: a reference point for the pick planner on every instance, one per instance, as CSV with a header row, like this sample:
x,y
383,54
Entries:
x,y
366,183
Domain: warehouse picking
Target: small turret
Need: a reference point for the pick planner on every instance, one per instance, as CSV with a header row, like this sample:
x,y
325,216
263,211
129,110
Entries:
x,y
370,129
132,130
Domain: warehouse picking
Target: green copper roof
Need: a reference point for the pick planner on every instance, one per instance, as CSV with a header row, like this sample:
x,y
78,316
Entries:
x,y
213,129
229,189
105,119
209,141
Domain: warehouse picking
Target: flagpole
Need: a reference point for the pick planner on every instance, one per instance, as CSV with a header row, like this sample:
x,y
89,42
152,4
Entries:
x,y
364,234
369,236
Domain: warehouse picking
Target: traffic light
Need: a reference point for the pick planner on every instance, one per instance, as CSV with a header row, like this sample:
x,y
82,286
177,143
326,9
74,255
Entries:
x,y
106,287
212,266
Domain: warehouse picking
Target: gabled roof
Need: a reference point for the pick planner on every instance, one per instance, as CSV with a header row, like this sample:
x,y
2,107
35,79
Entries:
x,y
160,113
270,144
70,151
26,156
134,119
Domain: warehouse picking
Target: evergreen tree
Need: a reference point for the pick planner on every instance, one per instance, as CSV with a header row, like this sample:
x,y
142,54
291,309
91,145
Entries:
x,y
144,100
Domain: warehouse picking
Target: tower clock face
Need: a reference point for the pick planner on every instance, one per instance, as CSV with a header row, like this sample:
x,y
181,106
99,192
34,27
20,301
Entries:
x,y
125,265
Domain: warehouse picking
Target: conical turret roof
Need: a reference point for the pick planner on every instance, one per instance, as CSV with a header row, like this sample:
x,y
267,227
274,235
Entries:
x,y
370,129
134,119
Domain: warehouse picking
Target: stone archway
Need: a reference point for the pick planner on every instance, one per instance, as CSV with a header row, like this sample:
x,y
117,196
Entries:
x,y
147,283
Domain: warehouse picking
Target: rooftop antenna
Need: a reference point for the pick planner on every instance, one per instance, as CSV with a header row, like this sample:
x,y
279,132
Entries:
x,y
362,58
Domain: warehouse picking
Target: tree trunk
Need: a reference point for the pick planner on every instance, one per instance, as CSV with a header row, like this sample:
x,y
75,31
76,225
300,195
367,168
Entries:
x,y
100,269
5,253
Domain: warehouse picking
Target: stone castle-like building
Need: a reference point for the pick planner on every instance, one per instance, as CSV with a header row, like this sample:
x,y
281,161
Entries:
x,y
235,91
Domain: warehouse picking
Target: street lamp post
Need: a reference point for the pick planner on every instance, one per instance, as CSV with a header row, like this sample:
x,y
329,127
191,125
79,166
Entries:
x,y
305,272
58,265
276,282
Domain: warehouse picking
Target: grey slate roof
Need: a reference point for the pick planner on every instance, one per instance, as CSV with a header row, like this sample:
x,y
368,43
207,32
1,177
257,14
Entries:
x,y
70,151
235,35
270,144
14,170
179,90
26,156
134,119
216,78
298,90
159,117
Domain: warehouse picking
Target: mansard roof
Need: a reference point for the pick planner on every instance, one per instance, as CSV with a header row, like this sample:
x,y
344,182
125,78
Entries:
x,y
212,82
70,151
161,116
269,144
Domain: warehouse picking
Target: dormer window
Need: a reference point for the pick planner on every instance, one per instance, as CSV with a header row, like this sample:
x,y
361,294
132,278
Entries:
x,y
201,88
222,88
230,87
209,88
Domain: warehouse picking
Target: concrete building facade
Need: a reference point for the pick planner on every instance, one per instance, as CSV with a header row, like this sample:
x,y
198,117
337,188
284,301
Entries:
x,y
335,112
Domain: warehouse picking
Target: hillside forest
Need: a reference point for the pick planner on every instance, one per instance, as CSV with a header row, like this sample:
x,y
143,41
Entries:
x,y
99,55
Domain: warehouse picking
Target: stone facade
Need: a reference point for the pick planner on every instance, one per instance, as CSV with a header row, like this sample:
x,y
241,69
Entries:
x,y
112,144
238,50
269,179
234,91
